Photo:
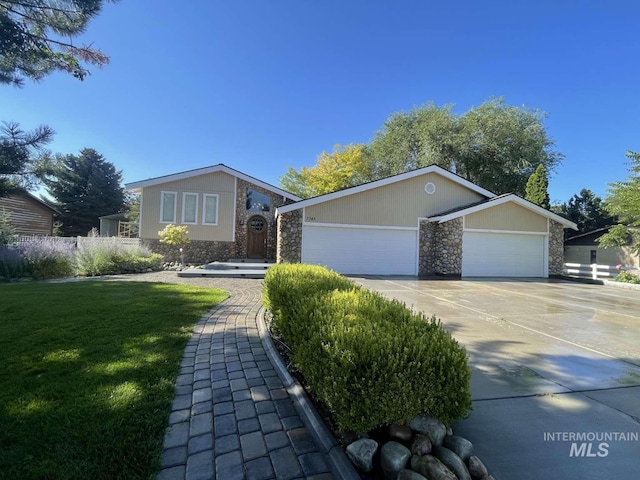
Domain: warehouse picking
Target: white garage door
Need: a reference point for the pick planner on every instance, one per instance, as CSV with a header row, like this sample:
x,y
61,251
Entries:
x,y
503,255
369,251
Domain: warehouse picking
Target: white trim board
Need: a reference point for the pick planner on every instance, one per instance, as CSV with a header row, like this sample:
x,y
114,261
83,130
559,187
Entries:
x,y
350,225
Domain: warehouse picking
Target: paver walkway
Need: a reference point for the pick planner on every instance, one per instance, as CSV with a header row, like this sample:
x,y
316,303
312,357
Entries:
x,y
232,418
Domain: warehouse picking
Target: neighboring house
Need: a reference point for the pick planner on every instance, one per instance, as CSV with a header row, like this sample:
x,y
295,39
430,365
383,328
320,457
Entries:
x,y
424,222
28,214
116,225
228,214
584,249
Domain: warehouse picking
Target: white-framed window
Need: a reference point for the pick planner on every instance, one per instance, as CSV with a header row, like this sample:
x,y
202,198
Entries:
x,y
209,209
168,205
189,208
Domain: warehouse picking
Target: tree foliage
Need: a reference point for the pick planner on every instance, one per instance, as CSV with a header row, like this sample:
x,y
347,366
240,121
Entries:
x,y
85,188
587,211
623,201
37,39
174,235
537,189
344,167
21,164
494,145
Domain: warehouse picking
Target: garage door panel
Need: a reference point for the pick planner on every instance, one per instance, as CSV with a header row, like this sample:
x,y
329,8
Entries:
x,y
361,250
503,255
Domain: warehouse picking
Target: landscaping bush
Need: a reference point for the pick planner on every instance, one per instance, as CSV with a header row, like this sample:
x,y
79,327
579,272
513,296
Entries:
x,y
110,258
370,359
38,259
627,277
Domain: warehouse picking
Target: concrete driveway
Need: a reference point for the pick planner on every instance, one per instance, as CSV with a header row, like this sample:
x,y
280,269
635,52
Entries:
x,y
555,371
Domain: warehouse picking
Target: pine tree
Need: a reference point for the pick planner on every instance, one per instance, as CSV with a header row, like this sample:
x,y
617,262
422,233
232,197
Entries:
x,y
537,188
85,188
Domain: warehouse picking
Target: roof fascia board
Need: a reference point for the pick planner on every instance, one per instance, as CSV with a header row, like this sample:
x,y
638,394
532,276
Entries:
x,y
387,181
138,186
507,198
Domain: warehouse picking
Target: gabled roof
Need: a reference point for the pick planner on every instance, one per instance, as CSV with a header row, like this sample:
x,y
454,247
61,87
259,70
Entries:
x,y
138,186
385,181
494,202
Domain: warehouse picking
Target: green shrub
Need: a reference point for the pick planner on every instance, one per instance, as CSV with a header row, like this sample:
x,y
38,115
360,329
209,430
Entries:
x,y
109,259
370,359
627,277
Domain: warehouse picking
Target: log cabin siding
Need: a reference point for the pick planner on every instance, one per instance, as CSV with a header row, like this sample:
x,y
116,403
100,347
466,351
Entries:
x,y
28,215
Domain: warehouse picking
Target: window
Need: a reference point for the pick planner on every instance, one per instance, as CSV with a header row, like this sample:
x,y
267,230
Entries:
x,y
257,202
189,208
168,207
210,210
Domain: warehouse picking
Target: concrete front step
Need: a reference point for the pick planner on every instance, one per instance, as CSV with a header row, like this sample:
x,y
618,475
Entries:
x,y
237,266
229,273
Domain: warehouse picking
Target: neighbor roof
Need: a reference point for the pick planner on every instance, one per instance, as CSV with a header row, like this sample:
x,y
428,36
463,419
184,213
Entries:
x,y
138,186
385,181
499,200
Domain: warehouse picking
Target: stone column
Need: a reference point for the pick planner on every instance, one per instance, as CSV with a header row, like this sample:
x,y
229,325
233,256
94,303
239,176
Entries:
x,y
426,248
290,237
556,248
448,248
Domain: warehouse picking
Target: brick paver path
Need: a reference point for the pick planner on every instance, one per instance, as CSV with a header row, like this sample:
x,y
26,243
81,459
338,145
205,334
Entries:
x,y
231,417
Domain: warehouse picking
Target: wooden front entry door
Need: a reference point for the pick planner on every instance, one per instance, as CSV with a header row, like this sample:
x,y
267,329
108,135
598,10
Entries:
x,y
257,237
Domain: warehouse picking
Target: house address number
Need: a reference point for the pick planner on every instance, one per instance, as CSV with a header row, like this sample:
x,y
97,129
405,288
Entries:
x,y
311,219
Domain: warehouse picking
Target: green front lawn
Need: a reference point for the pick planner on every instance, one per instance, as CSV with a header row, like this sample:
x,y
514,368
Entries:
x,y
87,373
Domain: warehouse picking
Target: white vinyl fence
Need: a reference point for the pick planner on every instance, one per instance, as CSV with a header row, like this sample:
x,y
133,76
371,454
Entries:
x,y
593,271
80,242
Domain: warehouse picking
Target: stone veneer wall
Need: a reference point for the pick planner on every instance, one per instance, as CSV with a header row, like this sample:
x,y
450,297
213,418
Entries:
x,y
243,215
290,237
556,248
448,248
426,251
196,251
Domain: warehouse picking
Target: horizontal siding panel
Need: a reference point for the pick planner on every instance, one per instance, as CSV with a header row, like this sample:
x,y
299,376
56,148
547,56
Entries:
x,y
27,216
219,183
397,204
507,216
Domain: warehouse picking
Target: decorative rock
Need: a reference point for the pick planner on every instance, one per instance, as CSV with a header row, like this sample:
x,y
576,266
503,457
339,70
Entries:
x,y
449,431
432,427
393,457
421,445
361,453
400,432
453,462
477,470
460,446
409,475
431,468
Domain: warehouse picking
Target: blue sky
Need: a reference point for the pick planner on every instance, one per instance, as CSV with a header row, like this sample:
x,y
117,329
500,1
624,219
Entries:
x,y
262,85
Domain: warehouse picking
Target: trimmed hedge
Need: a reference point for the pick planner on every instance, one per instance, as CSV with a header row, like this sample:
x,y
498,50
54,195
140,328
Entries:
x,y
370,359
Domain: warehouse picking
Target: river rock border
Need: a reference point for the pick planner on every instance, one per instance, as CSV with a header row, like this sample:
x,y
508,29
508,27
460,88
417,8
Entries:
x,y
423,450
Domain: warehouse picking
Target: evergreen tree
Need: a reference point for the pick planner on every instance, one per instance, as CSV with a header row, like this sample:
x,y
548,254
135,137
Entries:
x,y
20,162
85,188
36,38
537,188
587,211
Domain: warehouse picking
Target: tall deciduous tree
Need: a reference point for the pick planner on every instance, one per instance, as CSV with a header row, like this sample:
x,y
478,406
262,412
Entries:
x,y
344,167
85,188
21,164
496,146
37,38
624,202
537,189
586,210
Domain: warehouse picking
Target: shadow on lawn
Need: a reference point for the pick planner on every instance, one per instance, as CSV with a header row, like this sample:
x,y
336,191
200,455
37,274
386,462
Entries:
x,y
88,375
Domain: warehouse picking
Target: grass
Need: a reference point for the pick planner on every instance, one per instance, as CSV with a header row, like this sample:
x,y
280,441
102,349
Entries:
x,y
87,373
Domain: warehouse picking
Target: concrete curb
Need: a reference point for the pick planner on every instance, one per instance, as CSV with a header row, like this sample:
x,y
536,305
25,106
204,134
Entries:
x,y
340,465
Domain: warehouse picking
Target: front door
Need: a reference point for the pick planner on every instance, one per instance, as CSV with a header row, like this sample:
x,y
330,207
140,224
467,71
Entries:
x,y
257,237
